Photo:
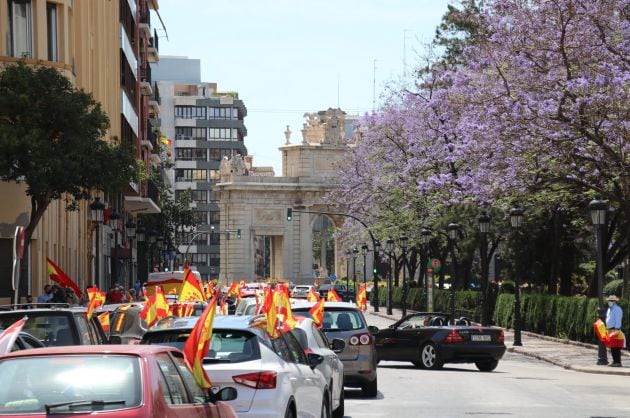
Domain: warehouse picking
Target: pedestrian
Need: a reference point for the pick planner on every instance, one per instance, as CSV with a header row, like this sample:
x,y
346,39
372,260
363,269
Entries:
x,y
613,322
138,288
46,296
29,301
59,295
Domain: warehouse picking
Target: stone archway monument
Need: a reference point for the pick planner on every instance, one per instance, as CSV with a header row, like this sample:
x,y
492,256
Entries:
x,y
257,205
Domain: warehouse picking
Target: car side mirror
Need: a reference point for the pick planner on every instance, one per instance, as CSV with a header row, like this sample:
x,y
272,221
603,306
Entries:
x,y
337,345
228,393
314,360
373,329
115,339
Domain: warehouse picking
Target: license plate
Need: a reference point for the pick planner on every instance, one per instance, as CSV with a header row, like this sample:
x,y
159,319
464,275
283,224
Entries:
x,y
480,337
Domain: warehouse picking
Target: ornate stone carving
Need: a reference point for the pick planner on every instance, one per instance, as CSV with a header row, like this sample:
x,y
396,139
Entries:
x,y
287,135
263,217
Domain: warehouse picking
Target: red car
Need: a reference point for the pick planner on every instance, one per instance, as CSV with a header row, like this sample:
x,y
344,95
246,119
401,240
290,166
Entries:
x,y
120,381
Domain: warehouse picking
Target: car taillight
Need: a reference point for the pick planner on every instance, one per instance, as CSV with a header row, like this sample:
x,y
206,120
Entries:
x,y
257,380
453,337
360,339
501,337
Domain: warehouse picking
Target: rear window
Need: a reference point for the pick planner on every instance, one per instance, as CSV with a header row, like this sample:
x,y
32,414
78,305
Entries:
x,y
337,320
49,327
71,382
226,346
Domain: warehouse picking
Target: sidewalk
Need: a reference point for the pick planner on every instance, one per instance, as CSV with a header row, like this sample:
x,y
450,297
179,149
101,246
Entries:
x,y
571,355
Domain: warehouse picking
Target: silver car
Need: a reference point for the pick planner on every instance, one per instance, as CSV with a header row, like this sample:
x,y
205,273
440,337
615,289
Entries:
x,y
344,320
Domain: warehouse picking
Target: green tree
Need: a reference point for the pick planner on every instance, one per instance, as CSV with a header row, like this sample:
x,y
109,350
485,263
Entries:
x,y
51,139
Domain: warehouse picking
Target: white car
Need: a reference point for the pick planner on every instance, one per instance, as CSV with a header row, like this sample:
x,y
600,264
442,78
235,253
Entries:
x,y
301,291
274,377
314,340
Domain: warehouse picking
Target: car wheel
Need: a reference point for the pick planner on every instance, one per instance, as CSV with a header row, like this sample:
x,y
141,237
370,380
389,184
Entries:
x,y
370,389
429,357
340,412
487,365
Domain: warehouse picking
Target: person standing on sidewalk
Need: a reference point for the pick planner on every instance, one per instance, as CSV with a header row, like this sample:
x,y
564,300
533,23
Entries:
x,y
613,322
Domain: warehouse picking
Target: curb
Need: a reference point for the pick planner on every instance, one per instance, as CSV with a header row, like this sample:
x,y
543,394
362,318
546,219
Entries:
x,y
568,342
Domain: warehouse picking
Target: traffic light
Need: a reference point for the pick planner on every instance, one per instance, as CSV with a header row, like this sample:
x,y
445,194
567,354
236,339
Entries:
x,y
238,234
289,214
374,270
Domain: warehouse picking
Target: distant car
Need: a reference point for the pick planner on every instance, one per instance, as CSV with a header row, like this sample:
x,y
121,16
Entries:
x,y
300,291
314,340
25,341
424,339
120,381
345,321
346,295
246,306
56,324
274,377
125,322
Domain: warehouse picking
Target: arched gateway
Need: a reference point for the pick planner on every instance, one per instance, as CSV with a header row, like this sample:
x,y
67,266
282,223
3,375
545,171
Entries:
x,y
270,245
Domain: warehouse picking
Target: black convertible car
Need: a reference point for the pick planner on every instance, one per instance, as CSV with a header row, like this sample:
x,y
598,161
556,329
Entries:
x,y
427,341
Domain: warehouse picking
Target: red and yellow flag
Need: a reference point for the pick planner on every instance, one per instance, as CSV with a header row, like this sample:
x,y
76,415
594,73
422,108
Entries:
x,y
333,296
312,296
104,320
612,339
317,312
96,298
235,290
362,298
271,314
155,308
198,343
283,305
57,275
190,289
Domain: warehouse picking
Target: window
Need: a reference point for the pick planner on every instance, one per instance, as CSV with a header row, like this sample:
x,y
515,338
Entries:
x,y
199,196
297,351
51,31
172,384
201,217
20,39
190,154
222,113
182,174
320,337
215,175
200,239
190,112
198,394
214,260
226,134
199,259
215,217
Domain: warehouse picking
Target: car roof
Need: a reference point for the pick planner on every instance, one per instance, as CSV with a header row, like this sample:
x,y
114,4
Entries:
x,y
220,321
335,305
62,307
130,349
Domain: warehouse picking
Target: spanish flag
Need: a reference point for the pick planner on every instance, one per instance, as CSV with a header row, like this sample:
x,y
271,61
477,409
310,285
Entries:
x,y
333,296
155,308
96,298
312,296
317,312
283,305
235,290
190,290
362,298
198,343
612,339
57,275
104,320
271,314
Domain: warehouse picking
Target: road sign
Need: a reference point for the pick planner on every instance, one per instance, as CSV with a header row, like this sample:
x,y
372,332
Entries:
x,y
434,264
333,277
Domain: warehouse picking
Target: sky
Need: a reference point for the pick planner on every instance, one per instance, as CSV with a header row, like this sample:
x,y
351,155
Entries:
x,y
289,57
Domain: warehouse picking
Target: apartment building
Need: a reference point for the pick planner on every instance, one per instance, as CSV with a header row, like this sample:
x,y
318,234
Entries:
x,y
104,47
206,126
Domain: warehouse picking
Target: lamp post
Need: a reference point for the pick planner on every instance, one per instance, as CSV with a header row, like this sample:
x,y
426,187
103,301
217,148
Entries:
x,y
598,209
516,218
348,255
389,246
130,229
355,253
452,230
425,237
377,252
364,251
114,223
403,301
484,228
96,215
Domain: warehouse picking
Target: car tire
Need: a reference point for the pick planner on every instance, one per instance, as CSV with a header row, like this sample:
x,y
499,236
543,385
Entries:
x,y
370,389
487,365
429,357
340,411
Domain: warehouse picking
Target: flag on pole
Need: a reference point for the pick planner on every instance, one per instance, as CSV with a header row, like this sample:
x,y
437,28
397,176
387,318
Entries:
x,y
155,308
104,320
235,290
317,312
362,298
8,337
96,298
57,275
190,289
198,343
333,296
312,295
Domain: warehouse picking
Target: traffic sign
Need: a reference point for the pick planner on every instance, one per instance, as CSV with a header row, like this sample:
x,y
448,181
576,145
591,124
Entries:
x,y
434,264
333,277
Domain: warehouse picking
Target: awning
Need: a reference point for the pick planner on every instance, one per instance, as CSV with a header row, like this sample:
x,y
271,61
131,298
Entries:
x,y
138,204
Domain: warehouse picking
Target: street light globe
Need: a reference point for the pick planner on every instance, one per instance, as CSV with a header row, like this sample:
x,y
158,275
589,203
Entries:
x,y
484,222
598,209
452,229
516,217
96,210
425,236
389,245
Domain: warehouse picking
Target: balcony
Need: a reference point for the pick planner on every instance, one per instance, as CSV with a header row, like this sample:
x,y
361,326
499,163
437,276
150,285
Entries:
x,y
145,143
152,55
154,108
145,30
145,88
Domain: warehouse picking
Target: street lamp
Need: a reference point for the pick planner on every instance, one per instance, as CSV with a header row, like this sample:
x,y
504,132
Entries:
x,y
484,227
452,230
97,208
425,238
364,251
130,229
403,301
377,252
115,223
355,253
516,218
389,247
598,209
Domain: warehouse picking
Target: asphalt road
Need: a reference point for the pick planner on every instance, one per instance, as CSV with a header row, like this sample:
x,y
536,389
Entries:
x,y
519,387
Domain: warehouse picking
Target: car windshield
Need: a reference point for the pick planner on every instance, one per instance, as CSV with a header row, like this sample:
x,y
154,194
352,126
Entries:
x,y
337,320
52,328
231,346
65,383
